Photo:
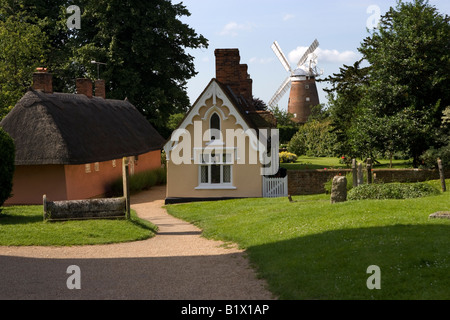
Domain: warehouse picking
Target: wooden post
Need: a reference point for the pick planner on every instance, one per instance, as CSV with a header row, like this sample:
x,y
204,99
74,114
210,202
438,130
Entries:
x,y
126,186
369,170
44,202
360,174
441,174
354,173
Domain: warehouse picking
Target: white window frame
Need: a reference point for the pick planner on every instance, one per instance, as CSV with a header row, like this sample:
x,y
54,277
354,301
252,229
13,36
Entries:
x,y
215,186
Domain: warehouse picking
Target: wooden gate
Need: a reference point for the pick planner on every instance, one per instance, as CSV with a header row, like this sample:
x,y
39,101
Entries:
x,y
275,187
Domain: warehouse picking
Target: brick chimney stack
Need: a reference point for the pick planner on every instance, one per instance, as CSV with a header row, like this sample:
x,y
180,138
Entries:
x,y
42,81
100,89
231,73
84,86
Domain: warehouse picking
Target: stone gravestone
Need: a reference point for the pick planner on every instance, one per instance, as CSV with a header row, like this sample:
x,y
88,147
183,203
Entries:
x,y
339,189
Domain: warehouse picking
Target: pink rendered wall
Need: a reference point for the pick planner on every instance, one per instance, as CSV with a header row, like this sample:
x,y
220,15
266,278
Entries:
x,y
71,182
30,183
82,185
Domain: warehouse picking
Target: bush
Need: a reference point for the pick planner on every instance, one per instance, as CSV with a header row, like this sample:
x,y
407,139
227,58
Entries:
x,y
287,157
392,191
429,157
313,139
287,132
7,156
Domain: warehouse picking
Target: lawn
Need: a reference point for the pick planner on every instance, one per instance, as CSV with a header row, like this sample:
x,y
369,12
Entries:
x,y
24,226
311,249
304,163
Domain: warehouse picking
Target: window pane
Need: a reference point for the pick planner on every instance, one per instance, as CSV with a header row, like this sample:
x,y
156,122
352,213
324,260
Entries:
x,y
215,174
226,174
204,174
215,126
227,158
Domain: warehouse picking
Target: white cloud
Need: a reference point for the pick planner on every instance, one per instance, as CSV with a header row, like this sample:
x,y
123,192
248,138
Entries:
x,y
288,16
325,55
232,28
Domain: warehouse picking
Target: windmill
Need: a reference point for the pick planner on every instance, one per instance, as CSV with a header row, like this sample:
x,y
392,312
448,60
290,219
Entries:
x,y
301,81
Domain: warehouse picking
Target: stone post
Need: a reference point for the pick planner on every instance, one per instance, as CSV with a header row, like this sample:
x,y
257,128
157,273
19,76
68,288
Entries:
x,y
339,189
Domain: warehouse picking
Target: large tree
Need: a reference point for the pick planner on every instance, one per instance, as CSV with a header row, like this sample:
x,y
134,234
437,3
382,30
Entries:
x,y
406,85
22,48
409,56
143,44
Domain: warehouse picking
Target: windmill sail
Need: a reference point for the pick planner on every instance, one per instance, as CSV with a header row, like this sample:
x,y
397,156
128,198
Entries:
x,y
280,92
276,48
310,50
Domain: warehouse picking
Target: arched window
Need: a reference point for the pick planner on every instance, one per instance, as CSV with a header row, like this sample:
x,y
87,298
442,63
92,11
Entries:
x,y
214,126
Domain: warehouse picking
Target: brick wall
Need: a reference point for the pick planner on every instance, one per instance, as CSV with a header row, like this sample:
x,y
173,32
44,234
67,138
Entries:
x,y
303,182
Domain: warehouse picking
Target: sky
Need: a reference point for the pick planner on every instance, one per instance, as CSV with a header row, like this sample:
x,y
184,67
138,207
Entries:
x,y
252,26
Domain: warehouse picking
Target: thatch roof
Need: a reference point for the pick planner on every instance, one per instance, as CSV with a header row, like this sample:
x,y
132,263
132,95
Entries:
x,y
61,128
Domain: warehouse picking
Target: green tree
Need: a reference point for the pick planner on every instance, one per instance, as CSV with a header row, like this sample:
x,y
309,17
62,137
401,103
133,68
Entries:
x,y
313,139
347,89
142,43
409,56
285,124
23,47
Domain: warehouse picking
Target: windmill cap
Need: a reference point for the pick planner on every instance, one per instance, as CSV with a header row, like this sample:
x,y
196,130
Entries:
x,y
300,72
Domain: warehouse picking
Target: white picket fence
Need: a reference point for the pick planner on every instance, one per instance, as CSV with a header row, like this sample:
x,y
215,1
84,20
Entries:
x,y
275,187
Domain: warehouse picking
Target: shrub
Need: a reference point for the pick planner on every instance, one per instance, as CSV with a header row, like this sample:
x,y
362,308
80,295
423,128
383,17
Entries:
x,y
7,156
429,157
313,139
287,157
287,132
392,191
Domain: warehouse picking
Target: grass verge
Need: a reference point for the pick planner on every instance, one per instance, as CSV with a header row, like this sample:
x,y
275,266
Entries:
x,y
24,226
311,249
310,163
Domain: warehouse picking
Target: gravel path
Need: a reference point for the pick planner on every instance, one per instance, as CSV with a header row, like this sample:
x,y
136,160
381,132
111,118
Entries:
x,y
175,264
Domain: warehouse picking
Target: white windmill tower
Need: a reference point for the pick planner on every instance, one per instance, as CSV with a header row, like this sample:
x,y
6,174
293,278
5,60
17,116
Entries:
x,y
301,81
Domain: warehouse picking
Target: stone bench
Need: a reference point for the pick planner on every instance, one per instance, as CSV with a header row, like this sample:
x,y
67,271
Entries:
x,y
110,208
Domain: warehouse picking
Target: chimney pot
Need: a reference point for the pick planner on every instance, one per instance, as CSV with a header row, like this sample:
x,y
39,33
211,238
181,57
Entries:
x,y
100,89
42,81
84,86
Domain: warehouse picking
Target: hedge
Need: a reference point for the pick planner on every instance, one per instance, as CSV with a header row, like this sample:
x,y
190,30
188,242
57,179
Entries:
x,y
392,191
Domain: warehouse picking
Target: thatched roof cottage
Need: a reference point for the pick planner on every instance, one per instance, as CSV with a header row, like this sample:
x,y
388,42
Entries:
x,y
70,146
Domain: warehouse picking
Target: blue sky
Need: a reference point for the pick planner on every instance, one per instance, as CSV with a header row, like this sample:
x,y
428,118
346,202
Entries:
x,y
253,25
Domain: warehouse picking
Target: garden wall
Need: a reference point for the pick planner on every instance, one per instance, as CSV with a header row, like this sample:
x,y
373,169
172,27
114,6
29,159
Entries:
x,y
303,182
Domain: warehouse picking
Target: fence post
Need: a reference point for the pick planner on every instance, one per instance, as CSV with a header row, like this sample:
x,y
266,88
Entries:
x,y
360,174
369,170
126,186
354,173
441,174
